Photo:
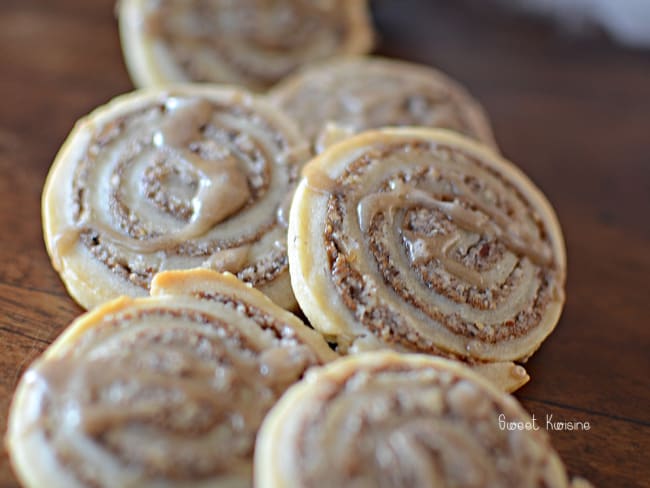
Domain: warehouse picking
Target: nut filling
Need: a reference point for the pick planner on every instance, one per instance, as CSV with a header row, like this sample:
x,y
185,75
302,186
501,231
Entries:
x,y
421,240
338,98
150,392
162,177
188,179
253,43
401,229
174,386
384,420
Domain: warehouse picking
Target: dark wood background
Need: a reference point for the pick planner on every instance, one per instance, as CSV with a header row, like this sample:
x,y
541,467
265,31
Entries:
x,y
573,113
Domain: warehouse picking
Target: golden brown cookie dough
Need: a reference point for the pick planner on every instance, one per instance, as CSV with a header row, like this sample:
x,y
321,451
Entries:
x,y
338,98
422,240
167,390
253,43
174,178
391,420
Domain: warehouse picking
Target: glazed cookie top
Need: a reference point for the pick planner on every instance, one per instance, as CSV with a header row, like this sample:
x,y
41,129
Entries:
x,y
396,420
338,98
425,241
161,391
173,178
253,43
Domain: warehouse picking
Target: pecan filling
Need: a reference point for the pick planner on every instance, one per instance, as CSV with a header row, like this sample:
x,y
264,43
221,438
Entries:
x,y
186,183
256,42
161,391
405,426
452,239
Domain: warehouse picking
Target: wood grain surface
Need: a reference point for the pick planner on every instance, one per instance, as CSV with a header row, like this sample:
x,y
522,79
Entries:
x,y
573,113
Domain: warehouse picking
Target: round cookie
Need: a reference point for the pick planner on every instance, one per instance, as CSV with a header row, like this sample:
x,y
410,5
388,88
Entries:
x,y
335,99
173,178
402,420
252,43
422,240
167,390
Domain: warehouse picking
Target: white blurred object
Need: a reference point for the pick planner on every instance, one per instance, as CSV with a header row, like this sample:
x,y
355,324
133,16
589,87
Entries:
x,y
627,21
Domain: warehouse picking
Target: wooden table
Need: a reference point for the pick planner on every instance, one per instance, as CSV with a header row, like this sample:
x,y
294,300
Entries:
x,y
574,114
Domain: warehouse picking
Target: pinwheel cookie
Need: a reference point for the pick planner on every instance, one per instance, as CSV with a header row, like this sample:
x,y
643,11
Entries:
x,y
253,43
383,419
173,178
424,241
336,99
167,390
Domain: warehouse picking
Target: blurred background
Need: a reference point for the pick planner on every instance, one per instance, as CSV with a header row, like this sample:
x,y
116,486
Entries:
x,y
625,21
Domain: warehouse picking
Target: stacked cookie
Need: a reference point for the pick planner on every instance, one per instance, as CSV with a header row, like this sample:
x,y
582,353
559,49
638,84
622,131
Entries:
x,y
192,218
165,390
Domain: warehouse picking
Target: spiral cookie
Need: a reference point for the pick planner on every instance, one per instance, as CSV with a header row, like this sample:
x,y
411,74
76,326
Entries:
x,y
172,179
253,43
390,420
339,98
422,240
168,390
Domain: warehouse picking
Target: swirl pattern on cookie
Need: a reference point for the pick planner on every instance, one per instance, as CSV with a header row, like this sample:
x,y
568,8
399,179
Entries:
x,y
336,99
167,390
391,420
175,178
424,241
253,43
